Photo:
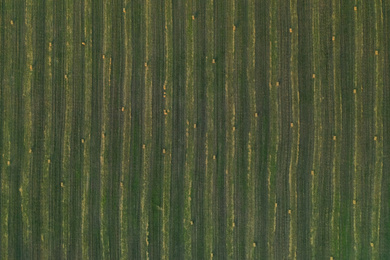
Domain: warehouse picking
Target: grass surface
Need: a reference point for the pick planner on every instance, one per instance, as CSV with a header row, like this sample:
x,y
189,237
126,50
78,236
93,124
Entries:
x,y
225,129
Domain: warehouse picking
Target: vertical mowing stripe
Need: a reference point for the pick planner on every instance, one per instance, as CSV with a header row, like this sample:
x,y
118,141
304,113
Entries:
x,y
147,134
76,142
136,128
274,124
94,189
158,114
243,127
87,131
2,117
285,117
346,160
306,127
199,176
176,244
190,130
322,242
115,129
157,162
359,131
384,235
293,238
38,97
230,129
46,195
337,130
15,235
376,193
58,127
368,119
167,167
220,107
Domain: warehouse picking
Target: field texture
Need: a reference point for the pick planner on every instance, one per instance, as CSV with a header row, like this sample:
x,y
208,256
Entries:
x,y
194,129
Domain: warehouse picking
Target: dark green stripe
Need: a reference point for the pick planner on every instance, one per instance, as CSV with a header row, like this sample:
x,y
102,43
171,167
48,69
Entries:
x,y
367,144
76,144
323,236
157,163
38,98
347,46
115,130
243,126
2,114
176,229
384,233
198,182
262,50
15,225
94,189
220,111
281,245
137,127
306,129
58,128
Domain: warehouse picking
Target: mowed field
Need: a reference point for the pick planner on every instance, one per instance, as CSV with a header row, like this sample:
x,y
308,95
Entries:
x,y
197,129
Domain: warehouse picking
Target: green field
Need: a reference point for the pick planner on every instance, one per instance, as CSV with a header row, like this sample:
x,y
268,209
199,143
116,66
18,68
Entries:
x,y
198,129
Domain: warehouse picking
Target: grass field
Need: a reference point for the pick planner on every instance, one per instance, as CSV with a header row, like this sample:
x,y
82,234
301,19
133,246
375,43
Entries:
x,y
198,129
